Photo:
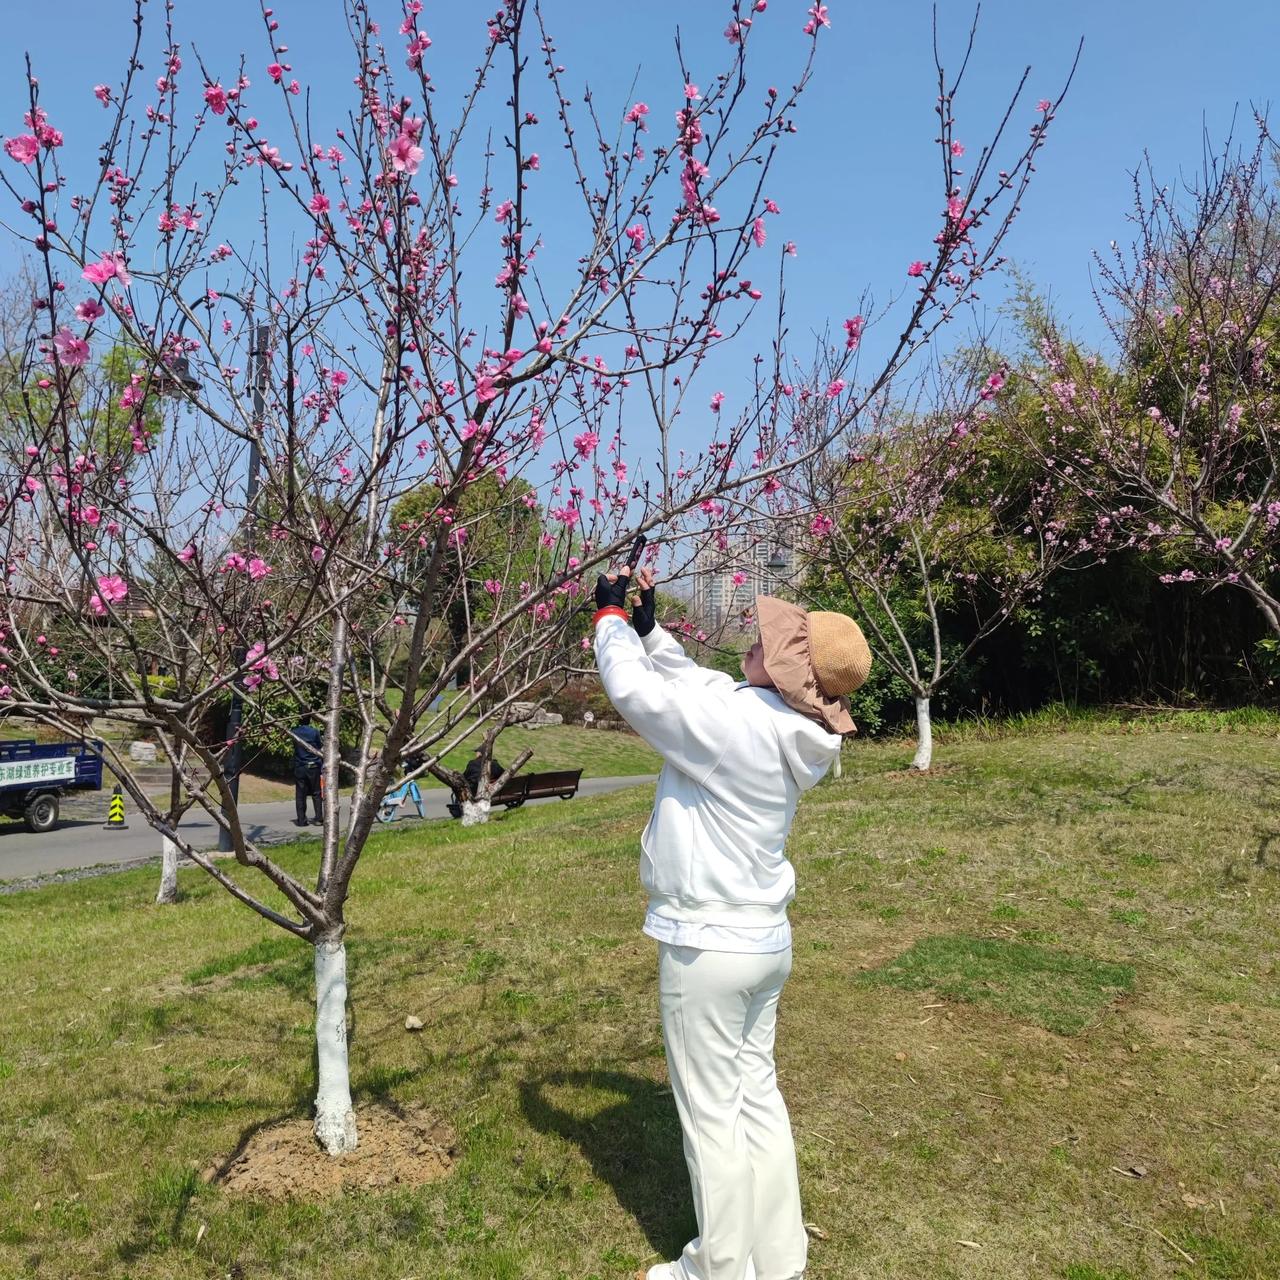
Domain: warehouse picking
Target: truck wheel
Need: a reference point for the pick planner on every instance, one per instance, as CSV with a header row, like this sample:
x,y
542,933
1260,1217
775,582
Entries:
x,y
41,814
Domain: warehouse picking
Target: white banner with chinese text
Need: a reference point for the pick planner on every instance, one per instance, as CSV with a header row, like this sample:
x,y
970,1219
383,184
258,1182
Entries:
x,y
14,772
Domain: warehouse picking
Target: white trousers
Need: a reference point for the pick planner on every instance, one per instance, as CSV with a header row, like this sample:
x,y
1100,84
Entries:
x,y
719,1016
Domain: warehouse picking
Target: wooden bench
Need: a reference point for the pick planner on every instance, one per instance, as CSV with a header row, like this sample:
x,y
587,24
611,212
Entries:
x,y
531,786
541,786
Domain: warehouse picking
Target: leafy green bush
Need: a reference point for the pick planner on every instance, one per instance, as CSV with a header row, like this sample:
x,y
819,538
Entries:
x,y
267,716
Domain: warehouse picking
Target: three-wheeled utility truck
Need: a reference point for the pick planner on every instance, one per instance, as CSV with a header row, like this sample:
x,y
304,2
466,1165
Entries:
x,y
35,776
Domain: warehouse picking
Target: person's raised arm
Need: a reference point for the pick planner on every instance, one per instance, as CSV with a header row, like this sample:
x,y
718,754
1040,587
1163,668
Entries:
x,y
665,653
686,721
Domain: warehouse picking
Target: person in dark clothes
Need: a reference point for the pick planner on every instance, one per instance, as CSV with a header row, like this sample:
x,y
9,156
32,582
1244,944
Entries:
x,y
471,775
307,743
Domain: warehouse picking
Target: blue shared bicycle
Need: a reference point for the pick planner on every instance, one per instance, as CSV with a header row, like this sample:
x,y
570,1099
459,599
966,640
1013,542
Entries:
x,y
394,802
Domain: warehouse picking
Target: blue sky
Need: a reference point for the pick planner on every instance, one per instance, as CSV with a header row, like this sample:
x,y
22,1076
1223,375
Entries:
x,y
858,185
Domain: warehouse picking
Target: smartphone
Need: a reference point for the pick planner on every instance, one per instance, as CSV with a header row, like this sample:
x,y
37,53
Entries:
x,y
637,550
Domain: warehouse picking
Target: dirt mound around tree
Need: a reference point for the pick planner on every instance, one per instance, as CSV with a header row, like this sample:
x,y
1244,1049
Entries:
x,y
397,1148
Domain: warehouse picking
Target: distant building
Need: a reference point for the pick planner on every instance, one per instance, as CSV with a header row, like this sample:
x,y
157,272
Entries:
x,y
763,567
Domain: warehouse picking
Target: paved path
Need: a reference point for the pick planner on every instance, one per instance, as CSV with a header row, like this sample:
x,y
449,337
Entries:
x,y
76,844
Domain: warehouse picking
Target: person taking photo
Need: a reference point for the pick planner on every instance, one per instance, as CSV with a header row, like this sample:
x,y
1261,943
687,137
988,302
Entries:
x,y
736,758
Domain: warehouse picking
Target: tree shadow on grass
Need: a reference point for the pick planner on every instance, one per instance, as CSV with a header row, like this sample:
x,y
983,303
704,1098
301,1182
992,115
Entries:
x,y
165,1196
631,1136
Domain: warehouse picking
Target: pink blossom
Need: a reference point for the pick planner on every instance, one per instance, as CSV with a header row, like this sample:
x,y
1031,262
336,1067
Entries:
x,y
90,310
917,268
691,92
216,96
758,232
955,208
493,586
319,203
338,379
534,161
503,211
789,248
71,350
103,94
23,148
716,401
637,114
586,443
258,568
993,384
236,563
739,578
275,71
111,590
957,148
834,388
187,554
817,18
636,234
405,153
1044,105
108,266
821,525
771,206
853,327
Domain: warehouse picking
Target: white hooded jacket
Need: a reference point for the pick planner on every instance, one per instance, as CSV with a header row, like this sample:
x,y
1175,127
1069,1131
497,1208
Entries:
x,y
736,759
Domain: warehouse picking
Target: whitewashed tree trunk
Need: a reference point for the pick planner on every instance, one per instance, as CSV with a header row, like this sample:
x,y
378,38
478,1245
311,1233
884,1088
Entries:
x,y
168,872
474,812
335,1120
924,736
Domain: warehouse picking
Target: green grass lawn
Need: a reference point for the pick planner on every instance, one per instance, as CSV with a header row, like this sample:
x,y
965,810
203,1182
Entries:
x,y
598,753
1032,1031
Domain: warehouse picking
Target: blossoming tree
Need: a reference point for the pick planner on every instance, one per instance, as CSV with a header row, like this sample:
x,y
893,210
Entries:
x,y
380,367
929,517
1174,436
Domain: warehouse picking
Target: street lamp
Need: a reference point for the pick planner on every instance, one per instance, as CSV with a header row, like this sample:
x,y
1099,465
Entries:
x,y
776,569
177,380
172,381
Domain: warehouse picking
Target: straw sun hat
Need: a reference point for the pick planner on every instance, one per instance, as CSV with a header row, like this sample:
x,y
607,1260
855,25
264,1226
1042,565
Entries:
x,y
815,660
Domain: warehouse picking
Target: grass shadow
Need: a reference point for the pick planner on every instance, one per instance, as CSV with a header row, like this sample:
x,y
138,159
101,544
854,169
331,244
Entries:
x,y
165,1197
627,1128
1057,990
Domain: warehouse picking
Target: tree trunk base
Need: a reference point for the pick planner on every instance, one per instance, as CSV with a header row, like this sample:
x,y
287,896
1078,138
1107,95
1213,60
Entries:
x,y
336,1130
335,1125
474,812
168,891
924,737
